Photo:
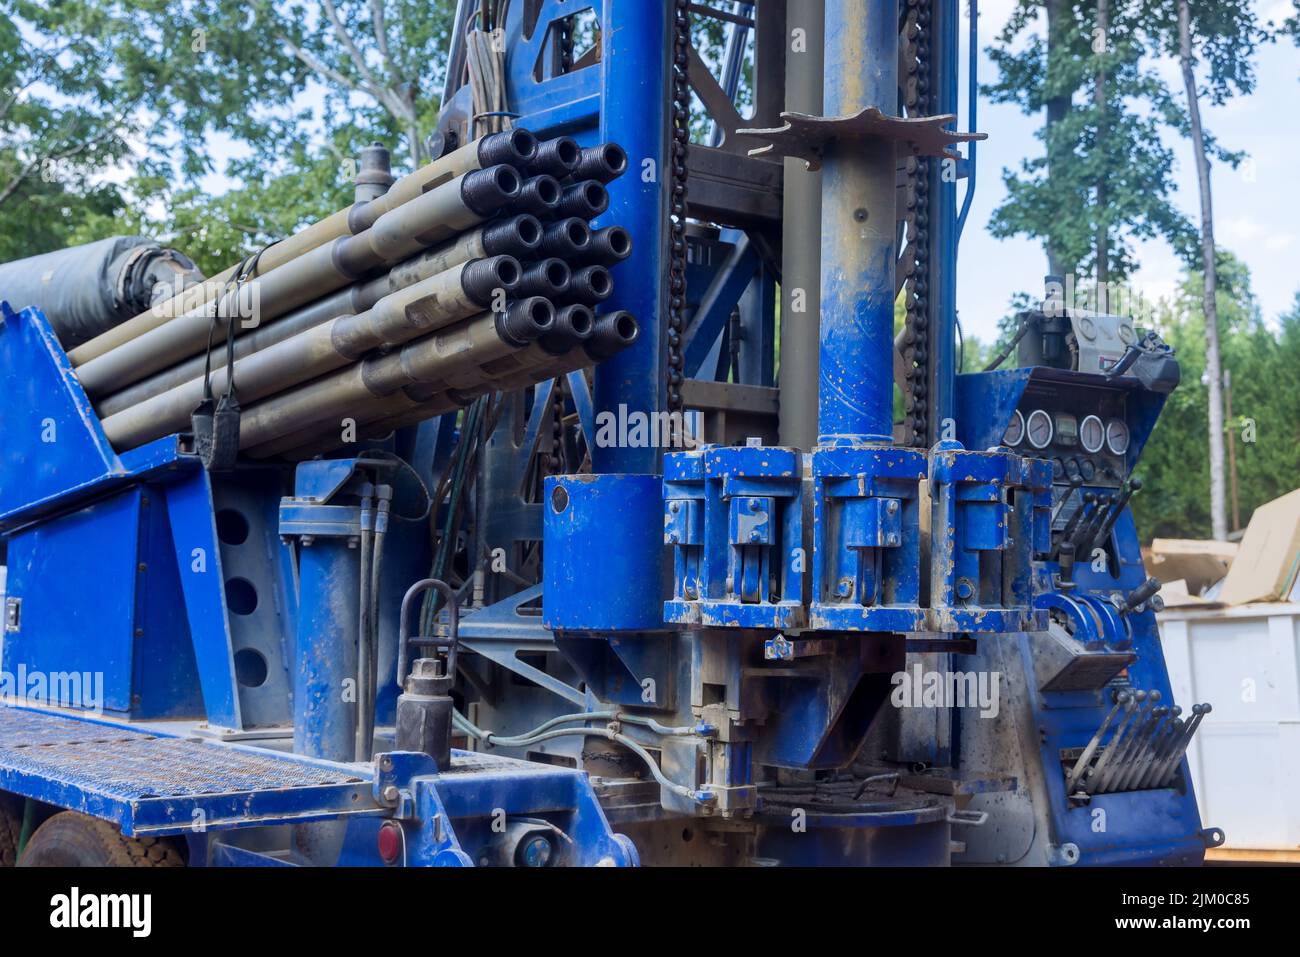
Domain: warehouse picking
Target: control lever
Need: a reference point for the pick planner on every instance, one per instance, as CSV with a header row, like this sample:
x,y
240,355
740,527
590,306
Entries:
x,y
1065,580
1150,344
1088,531
1137,599
1134,485
1067,533
1130,356
1076,482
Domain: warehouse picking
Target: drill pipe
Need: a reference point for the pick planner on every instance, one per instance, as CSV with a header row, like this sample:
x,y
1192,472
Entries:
x,y
517,236
374,385
540,195
566,238
514,148
426,400
558,157
586,200
573,325
431,304
602,163
432,218
589,285
547,277
608,247
610,333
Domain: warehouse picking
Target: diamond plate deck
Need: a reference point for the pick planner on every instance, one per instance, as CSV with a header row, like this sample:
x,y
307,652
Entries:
x,y
154,783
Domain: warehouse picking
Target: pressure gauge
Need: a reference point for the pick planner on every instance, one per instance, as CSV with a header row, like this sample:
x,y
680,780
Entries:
x,y
1092,434
1039,429
1015,433
1117,436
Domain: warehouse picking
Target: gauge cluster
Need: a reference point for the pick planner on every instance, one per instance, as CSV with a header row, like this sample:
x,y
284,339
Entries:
x,y
1082,431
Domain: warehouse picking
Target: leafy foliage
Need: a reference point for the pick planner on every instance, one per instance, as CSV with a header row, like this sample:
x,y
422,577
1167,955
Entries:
x,y
1054,196
1266,418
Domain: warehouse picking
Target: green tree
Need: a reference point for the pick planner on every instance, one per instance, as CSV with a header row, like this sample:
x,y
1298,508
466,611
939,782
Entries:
x,y
1102,182
63,120
1223,35
143,87
1265,425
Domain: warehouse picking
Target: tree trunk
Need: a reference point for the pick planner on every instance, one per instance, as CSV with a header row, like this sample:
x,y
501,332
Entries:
x,y
1213,358
1100,46
1058,108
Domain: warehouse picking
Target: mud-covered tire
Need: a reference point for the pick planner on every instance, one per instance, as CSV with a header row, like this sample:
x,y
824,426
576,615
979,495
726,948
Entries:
x,y
69,839
11,826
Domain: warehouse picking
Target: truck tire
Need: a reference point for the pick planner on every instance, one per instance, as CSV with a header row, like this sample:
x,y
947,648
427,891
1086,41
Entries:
x,y
11,825
69,839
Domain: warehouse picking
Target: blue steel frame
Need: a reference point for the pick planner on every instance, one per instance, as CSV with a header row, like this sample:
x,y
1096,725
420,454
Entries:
x,y
1152,826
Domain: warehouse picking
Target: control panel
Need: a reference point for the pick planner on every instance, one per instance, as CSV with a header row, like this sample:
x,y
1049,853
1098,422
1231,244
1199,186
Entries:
x,y
1082,430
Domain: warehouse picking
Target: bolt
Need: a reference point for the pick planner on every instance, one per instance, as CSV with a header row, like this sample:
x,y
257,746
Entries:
x,y
390,794
754,505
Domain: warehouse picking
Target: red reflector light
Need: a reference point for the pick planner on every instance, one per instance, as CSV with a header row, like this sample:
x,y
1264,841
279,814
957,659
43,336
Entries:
x,y
390,842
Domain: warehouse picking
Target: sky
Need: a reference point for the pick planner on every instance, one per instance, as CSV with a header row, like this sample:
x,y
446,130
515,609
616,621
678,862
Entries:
x,y
1256,208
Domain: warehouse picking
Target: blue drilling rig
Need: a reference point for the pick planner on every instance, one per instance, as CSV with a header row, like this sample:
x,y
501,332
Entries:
x,y
676,602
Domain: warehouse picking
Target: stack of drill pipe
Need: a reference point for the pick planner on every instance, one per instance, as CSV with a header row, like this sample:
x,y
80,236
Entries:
x,y
598,339
512,148
518,236
427,220
429,303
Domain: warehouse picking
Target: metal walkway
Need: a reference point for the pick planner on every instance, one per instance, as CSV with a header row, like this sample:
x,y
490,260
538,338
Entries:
x,y
152,783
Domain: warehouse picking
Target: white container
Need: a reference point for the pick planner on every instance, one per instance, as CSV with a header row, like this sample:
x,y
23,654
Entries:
x,y
1245,757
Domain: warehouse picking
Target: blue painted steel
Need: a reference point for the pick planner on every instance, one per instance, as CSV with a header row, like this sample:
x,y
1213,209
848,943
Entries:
x,y
866,539
500,632
730,281
52,434
605,565
580,393
558,103
239,604
733,518
855,401
991,516
972,103
152,783
453,819
102,627
327,533
635,98
198,558
843,840
1148,826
